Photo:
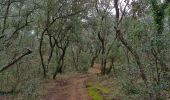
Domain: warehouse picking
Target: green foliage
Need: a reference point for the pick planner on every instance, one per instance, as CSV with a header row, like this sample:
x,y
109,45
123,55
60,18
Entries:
x,y
129,88
88,27
96,91
94,94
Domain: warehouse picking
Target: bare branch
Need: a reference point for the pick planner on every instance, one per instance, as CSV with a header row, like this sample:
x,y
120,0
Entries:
x,y
6,16
16,60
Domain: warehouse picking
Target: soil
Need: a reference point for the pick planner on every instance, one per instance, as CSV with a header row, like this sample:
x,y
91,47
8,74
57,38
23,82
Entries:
x,y
72,87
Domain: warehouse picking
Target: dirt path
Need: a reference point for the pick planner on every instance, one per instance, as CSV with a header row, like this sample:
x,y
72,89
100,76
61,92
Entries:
x,y
72,88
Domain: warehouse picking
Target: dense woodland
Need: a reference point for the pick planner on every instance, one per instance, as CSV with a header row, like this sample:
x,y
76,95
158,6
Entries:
x,y
129,39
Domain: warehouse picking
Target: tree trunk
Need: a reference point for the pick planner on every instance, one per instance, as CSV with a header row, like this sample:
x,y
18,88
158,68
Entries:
x,y
138,62
41,54
111,66
59,69
93,61
60,65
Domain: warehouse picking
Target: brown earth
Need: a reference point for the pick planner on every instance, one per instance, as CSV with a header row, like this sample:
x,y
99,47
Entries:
x,y
3,98
71,88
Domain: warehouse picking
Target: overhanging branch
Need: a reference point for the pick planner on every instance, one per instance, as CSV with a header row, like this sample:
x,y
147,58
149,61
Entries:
x,y
16,60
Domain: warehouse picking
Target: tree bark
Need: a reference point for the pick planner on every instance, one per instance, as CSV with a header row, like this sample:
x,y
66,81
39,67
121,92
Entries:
x,y
63,48
111,66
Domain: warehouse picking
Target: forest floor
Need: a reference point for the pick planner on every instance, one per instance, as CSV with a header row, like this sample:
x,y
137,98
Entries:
x,y
71,87
75,86
64,87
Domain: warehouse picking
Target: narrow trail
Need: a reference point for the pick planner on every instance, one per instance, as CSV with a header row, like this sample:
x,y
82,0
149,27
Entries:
x,y
72,89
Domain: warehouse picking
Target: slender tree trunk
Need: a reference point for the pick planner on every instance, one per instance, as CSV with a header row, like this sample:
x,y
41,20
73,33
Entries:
x,y
52,46
93,61
137,59
120,37
111,66
75,60
41,54
59,68
104,60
